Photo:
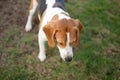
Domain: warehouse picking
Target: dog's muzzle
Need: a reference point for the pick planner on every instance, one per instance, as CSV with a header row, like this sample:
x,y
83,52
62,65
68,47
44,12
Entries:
x,y
68,59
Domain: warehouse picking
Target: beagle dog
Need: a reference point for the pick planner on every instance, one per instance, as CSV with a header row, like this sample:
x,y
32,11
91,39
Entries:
x,y
56,26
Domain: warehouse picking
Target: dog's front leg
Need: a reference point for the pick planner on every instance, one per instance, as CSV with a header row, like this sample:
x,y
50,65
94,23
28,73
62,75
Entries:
x,y
42,54
33,7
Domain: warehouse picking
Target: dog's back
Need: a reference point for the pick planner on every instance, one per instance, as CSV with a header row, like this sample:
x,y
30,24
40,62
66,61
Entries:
x,y
42,5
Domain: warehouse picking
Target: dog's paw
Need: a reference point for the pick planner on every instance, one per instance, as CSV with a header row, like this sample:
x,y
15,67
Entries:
x,y
28,27
42,57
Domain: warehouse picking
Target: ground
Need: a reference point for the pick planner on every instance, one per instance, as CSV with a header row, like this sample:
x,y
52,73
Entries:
x,y
97,57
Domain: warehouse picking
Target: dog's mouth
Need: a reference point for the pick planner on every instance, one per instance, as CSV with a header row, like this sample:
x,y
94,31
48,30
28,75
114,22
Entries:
x,y
66,55
68,59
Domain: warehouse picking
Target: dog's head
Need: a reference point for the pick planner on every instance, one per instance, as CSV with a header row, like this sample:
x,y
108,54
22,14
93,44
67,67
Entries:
x,y
66,34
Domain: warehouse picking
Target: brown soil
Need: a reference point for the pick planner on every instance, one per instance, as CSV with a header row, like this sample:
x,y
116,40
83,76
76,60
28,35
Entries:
x,y
13,14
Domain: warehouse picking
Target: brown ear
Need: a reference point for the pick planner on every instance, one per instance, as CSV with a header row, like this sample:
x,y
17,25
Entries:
x,y
77,32
50,32
78,29
78,24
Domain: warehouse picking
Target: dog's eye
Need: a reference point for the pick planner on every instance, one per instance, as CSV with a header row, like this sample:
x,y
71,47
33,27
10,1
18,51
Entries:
x,y
60,43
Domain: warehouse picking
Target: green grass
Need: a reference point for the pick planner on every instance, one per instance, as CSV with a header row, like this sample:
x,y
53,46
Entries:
x,y
97,58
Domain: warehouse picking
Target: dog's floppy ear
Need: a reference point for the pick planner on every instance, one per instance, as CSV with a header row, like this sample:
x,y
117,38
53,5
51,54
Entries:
x,y
78,27
78,24
50,33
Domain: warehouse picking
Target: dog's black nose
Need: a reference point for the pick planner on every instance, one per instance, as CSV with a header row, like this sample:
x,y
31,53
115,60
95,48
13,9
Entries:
x,y
68,59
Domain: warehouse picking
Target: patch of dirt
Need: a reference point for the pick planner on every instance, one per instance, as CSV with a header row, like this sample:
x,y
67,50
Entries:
x,y
111,50
13,18
13,13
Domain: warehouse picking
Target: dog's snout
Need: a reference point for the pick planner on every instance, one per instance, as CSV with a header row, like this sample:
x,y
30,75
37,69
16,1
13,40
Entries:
x,y
68,59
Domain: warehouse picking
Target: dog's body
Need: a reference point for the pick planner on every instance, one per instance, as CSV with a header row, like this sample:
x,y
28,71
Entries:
x,y
56,26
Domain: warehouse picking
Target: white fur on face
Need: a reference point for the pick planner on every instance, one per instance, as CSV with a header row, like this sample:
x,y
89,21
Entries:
x,y
67,51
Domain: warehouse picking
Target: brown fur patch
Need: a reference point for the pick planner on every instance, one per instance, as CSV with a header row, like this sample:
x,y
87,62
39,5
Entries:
x,y
31,4
56,31
55,17
61,38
